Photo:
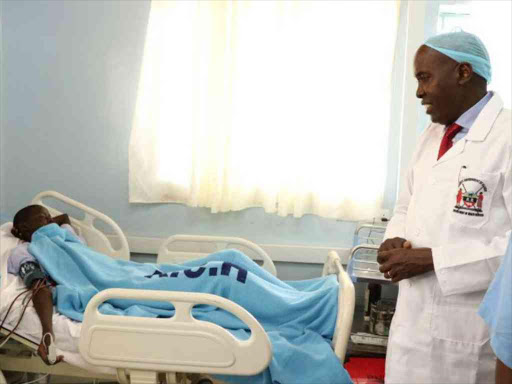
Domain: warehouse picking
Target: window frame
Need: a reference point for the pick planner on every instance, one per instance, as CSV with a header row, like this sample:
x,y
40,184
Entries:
x,y
418,21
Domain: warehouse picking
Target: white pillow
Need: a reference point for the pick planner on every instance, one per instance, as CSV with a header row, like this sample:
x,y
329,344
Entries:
x,y
7,243
7,240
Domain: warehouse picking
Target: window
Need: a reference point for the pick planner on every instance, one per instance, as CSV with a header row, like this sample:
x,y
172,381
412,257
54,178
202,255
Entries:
x,y
277,104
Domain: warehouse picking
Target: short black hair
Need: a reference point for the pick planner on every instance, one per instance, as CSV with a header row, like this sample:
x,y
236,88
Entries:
x,y
25,214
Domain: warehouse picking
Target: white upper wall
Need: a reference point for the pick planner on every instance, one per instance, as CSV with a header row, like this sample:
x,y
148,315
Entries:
x,y
2,95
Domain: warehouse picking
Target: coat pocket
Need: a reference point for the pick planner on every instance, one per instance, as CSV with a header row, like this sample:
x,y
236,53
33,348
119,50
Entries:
x,y
455,319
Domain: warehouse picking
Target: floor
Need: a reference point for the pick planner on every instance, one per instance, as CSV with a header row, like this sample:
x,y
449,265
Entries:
x,y
366,370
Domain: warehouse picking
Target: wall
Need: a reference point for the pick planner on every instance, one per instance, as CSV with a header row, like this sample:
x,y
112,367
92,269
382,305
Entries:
x,y
71,70
2,152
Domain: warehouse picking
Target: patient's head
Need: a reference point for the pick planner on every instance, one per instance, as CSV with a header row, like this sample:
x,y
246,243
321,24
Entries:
x,y
28,220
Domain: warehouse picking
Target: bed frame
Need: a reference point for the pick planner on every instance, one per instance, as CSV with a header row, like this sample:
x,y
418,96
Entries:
x,y
137,347
180,248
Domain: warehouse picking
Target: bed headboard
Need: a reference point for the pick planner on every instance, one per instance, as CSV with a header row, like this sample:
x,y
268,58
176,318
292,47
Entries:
x,y
94,237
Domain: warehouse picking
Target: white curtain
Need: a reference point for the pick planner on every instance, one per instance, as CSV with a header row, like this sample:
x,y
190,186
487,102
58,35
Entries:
x,y
276,104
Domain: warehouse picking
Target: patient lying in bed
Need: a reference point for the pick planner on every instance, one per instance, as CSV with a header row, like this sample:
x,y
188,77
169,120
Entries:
x,y
21,263
299,317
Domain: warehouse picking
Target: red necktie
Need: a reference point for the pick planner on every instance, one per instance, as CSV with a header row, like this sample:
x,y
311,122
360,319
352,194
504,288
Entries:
x,y
447,141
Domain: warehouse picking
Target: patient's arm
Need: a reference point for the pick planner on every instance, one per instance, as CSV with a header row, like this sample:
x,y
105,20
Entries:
x,y
34,278
62,219
44,308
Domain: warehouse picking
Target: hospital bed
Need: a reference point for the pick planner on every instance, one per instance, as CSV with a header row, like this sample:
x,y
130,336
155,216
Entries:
x,y
135,350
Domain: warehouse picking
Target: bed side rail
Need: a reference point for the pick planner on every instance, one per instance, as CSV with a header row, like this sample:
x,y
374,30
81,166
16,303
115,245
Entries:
x,y
166,254
179,344
95,238
346,304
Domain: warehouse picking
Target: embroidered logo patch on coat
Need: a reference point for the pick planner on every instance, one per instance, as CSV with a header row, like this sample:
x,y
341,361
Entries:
x,y
470,197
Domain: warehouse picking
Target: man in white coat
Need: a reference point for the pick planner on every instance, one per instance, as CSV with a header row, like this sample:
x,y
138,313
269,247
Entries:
x,y
449,230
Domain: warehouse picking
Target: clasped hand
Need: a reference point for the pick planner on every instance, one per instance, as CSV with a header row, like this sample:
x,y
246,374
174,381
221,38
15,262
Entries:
x,y
399,260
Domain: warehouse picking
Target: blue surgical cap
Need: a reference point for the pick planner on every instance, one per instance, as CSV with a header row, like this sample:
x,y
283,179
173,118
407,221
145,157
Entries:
x,y
463,47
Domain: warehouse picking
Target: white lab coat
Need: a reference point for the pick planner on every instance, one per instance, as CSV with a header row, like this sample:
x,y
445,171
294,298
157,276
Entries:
x,y
436,334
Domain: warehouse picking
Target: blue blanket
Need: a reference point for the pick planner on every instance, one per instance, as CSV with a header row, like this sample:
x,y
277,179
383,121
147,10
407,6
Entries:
x,y
299,317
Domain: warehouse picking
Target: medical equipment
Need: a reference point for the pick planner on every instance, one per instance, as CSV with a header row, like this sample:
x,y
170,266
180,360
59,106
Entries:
x,y
28,295
130,349
381,314
38,380
52,351
363,265
371,232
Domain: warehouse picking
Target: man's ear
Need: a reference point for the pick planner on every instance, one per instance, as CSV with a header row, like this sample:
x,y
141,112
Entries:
x,y
465,73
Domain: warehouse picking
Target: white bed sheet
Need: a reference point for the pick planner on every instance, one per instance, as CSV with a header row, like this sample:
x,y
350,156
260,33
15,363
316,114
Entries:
x,y
67,331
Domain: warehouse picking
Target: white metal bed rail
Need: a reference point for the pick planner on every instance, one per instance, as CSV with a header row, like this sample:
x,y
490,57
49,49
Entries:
x,y
181,343
346,304
94,237
167,255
